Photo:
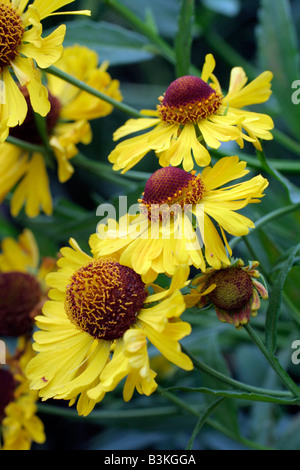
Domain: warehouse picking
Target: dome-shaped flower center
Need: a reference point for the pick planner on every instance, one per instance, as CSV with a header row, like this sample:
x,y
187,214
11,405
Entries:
x,y
171,187
28,131
7,388
188,99
234,288
104,298
11,32
19,295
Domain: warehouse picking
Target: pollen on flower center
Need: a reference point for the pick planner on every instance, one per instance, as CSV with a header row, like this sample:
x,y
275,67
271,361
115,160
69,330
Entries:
x,y
171,187
188,99
103,298
234,288
28,131
11,32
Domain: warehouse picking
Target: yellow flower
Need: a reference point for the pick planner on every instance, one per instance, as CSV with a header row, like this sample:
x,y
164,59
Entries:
x,y
233,291
19,255
19,422
176,221
67,125
22,286
94,330
22,45
193,114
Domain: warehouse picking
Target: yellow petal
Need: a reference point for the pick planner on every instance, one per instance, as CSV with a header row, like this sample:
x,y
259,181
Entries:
x,y
257,91
215,133
33,190
45,8
14,100
208,67
134,125
37,92
50,49
226,169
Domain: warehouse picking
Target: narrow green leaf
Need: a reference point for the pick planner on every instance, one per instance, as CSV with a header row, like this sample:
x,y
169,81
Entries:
x,y
293,191
165,13
202,419
228,380
210,353
271,216
235,394
274,362
150,20
275,298
183,39
140,26
103,170
112,42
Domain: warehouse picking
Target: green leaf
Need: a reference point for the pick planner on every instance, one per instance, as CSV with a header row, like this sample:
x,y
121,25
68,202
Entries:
x,y
209,351
112,42
275,298
293,191
202,419
278,52
240,395
165,13
150,20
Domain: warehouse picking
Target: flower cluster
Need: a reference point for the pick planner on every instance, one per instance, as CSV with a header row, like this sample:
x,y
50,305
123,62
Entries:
x,y
97,313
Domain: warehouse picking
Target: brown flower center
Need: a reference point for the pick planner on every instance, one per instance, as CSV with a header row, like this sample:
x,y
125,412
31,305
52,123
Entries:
x,y
171,189
234,288
188,99
11,32
28,131
19,295
104,298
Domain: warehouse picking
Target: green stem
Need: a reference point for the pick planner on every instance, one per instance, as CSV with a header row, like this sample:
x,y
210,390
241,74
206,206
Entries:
x,y
137,175
26,145
232,382
273,361
239,395
83,86
219,427
141,27
149,32
183,38
102,170
104,415
202,420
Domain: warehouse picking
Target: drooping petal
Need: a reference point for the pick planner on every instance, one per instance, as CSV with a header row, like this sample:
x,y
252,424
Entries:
x,y
33,190
14,100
